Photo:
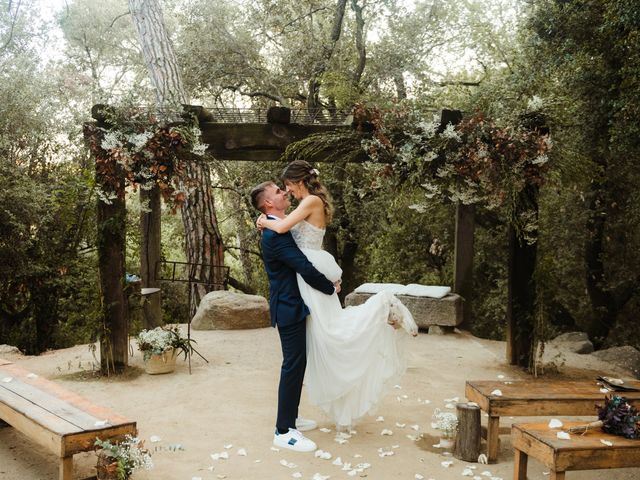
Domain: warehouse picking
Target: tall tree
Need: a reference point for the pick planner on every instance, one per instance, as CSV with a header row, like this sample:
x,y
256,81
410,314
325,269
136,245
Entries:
x,y
204,246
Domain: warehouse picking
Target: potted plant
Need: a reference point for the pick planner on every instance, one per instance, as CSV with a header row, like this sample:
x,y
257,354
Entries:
x,y
161,346
447,423
117,461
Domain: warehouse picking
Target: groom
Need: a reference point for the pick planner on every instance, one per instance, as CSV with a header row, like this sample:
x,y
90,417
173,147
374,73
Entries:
x,y
282,260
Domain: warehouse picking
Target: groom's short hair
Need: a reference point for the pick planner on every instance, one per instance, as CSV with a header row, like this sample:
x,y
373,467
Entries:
x,y
257,195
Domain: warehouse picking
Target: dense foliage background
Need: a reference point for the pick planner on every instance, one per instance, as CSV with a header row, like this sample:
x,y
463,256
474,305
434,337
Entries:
x,y
577,62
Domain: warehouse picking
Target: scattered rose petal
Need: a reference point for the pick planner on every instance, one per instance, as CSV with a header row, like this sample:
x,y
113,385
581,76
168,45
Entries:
x,y
450,405
7,379
563,436
486,473
497,392
32,375
341,441
242,452
257,461
284,463
397,386
352,473
400,425
325,430
413,438
154,439
386,432
555,423
274,449
417,476
220,476
508,383
317,476
405,396
446,463
415,427
296,475
380,419
357,455
454,399
337,461
467,472
228,446
196,478
606,442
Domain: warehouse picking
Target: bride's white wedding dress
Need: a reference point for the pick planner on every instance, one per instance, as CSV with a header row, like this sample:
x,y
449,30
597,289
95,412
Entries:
x,y
354,356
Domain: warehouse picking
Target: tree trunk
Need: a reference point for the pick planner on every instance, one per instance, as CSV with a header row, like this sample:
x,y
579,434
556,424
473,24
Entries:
x,y
360,45
463,263
203,242
150,255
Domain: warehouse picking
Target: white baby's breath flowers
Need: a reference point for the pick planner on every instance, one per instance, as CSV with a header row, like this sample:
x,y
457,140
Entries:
x,y
111,141
450,133
535,104
139,140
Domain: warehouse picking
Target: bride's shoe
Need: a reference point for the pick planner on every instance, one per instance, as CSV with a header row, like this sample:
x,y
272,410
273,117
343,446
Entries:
x,y
400,317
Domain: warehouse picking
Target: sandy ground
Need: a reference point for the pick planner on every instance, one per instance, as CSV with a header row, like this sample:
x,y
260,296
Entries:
x,y
229,404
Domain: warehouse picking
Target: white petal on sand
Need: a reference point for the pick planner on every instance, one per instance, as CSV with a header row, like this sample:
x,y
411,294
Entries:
x,y
196,478
341,441
224,455
352,473
497,392
32,375
401,425
446,463
450,405
555,423
296,475
405,396
606,442
346,466
395,446
155,439
337,461
486,473
467,472
325,430
228,446
220,476
434,425
7,379
417,476
380,419
508,383
274,449
500,377
563,436
397,386
416,427
317,476
413,438
386,431
454,399
482,459
242,452
386,453
357,455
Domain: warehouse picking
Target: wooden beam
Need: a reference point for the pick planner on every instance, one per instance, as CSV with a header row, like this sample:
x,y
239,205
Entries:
x,y
256,141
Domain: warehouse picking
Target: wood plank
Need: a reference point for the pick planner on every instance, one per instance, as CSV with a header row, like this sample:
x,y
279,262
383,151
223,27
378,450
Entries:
x,y
520,465
66,468
84,441
81,403
30,422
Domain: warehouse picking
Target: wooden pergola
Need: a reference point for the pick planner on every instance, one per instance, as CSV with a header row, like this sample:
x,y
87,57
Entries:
x,y
265,139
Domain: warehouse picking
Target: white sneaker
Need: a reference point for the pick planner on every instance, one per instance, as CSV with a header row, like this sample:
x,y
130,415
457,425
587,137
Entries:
x,y
294,440
305,424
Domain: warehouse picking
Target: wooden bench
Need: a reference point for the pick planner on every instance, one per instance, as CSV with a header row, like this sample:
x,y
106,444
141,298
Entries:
x,y
581,452
59,420
531,398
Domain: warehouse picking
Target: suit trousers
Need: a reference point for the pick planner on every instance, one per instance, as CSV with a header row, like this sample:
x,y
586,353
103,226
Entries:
x,y
294,362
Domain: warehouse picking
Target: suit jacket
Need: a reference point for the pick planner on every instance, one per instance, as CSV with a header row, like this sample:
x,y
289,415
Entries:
x,y
282,260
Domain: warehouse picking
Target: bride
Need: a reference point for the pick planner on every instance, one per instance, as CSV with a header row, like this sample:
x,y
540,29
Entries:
x,y
354,355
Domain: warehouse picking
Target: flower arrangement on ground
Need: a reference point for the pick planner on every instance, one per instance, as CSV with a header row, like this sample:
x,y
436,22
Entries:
x,y
446,422
119,460
164,339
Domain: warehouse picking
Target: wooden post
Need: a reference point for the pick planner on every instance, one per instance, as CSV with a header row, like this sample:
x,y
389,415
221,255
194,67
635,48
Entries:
x,y
150,251
468,438
463,263
521,288
111,219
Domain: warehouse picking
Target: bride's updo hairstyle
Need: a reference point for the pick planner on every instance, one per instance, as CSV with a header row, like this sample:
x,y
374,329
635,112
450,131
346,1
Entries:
x,y
301,171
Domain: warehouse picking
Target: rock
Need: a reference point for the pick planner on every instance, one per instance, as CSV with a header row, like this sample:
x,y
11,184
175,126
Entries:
x,y
426,311
576,342
9,349
225,310
626,357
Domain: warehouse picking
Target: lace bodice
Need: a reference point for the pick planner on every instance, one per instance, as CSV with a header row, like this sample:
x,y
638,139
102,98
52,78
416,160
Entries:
x,y
307,235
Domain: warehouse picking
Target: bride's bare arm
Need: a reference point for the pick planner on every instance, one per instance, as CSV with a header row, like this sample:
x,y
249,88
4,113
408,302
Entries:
x,y
307,206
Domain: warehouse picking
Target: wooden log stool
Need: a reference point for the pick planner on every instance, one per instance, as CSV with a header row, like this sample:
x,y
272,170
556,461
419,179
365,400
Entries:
x,y
581,452
468,438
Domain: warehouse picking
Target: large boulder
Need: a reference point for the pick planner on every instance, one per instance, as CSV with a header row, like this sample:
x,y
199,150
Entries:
x,y
9,350
576,342
225,310
626,357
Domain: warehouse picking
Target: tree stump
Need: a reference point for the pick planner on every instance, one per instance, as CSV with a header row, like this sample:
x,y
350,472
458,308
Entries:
x,y
468,439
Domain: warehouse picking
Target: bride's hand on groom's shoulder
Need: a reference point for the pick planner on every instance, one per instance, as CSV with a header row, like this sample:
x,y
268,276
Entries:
x,y
338,285
259,220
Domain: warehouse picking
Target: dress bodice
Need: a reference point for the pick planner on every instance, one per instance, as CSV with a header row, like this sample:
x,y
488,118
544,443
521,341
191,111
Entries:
x,y
307,235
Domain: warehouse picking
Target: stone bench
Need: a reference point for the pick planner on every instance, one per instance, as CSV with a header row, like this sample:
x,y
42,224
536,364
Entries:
x,y
437,315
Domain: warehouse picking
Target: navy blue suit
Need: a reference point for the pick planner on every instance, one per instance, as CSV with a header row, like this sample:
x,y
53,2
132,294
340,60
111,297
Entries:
x,y
282,260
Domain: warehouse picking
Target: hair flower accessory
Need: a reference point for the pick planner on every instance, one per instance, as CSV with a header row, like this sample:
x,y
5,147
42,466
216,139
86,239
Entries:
x,y
314,171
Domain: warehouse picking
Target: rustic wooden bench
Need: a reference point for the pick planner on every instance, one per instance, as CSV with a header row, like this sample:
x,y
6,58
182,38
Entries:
x,y
531,398
59,420
580,452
